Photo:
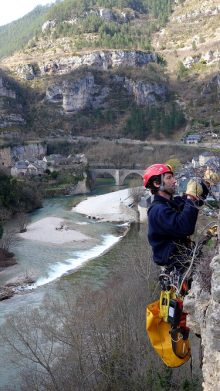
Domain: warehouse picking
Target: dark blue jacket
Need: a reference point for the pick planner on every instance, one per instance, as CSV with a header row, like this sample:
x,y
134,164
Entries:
x,y
170,222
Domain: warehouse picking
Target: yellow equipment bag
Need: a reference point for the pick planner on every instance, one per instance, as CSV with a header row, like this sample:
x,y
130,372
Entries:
x,y
159,333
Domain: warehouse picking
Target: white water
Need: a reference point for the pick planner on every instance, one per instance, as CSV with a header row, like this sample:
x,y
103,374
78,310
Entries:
x,y
60,268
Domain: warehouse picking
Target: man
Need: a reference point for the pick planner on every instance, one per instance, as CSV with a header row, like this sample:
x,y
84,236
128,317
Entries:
x,y
171,220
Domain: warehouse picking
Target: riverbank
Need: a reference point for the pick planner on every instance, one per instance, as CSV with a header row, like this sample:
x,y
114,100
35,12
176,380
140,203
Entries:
x,y
53,230
114,207
73,236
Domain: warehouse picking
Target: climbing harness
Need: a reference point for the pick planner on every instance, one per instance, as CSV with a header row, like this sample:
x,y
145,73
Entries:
x,y
165,319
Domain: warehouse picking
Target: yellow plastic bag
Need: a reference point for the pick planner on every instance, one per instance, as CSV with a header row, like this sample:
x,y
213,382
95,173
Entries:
x,y
159,334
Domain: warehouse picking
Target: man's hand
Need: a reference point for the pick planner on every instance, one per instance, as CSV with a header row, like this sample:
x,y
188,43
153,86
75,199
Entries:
x,y
194,189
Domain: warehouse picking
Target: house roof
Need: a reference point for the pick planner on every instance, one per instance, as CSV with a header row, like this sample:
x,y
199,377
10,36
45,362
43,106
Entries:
x,y
193,137
206,153
21,164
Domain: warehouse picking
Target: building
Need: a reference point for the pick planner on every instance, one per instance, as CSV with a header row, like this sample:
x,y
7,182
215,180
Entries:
x,y
20,168
193,139
204,157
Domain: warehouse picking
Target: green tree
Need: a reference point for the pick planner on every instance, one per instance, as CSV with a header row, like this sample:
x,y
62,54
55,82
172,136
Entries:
x,y
174,163
181,70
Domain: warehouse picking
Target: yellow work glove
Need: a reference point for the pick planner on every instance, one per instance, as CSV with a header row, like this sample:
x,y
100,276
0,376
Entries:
x,y
194,189
211,177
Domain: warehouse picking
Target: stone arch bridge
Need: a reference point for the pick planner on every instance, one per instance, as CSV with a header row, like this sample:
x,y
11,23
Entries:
x,y
119,175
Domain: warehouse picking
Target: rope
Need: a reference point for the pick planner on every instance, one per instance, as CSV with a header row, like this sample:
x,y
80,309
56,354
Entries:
x,y
196,249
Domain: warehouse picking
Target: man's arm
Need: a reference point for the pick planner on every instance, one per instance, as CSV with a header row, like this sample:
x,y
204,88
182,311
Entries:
x,y
176,224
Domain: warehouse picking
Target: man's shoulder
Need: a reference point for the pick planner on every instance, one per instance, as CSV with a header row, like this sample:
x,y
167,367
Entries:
x,y
158,203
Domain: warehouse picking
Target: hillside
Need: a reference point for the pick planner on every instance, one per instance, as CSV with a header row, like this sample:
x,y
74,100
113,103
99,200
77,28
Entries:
x,y
190,44
128,68
92,71
15,35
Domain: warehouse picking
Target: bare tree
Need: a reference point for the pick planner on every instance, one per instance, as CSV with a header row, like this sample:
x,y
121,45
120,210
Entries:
x,y
8,240
95,340
22,221
136,193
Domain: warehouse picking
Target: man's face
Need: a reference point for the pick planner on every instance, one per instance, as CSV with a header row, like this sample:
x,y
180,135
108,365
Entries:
x,y
169,183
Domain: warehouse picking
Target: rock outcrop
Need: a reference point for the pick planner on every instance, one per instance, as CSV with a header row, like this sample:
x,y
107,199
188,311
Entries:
x,y
9,120
78,95
102,60
29,151
203,308
204,10
85,93
5,91
146,93
213,86
11,110
208,58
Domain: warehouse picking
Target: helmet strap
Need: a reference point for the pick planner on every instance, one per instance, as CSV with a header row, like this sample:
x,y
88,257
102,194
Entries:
x,y
162,187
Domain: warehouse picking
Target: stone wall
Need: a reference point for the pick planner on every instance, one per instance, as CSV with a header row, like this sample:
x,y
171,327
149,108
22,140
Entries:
x,y
5,157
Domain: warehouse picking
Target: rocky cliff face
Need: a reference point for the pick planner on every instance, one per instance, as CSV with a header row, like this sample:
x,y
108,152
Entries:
x,y
67,85
11,111
29,151
102,60
204,318
9,155
5,91
85,92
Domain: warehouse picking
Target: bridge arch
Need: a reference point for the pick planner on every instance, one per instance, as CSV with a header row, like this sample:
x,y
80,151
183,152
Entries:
x,y
124,174
100,173
132,175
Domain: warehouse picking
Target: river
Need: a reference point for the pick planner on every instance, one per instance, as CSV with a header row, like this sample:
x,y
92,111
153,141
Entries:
x,y
49,263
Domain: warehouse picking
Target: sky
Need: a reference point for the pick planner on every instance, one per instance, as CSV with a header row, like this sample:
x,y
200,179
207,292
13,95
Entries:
x,y
14,9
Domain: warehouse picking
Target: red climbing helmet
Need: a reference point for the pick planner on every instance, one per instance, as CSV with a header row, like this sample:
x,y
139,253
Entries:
x,y
155,169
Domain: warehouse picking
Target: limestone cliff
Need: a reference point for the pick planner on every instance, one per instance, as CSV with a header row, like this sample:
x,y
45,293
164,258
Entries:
x,y
11,110
55,90
204,319
87,92
102,60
